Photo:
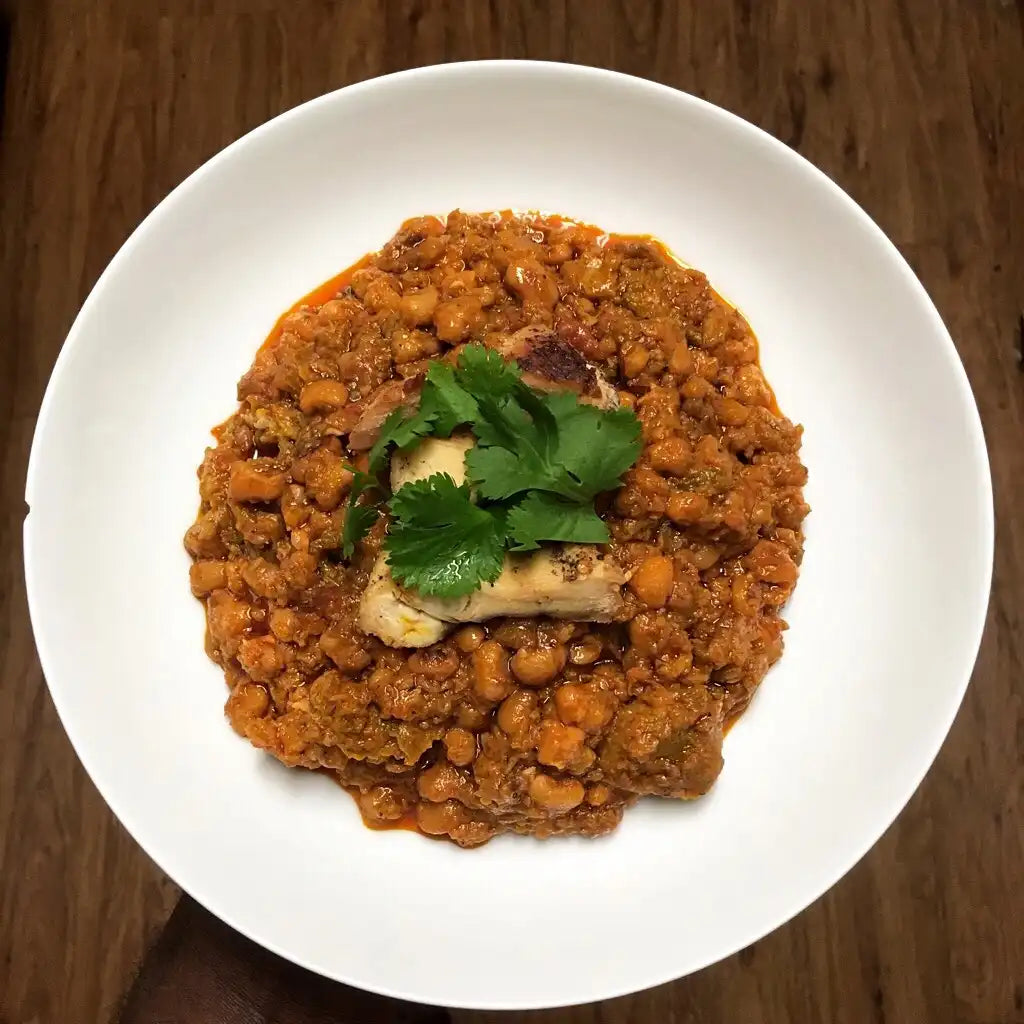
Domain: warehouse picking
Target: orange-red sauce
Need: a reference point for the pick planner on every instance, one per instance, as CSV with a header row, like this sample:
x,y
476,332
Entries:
x,y
333,286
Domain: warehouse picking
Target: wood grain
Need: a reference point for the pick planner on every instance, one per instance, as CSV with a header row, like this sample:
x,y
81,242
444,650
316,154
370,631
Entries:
x,y
202,972
916,107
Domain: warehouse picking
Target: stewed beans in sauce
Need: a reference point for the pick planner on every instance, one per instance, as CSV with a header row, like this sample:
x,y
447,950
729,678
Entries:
x,y
529,725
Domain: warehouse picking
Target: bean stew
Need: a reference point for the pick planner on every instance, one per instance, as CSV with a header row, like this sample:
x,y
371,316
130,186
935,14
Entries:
x,y
516,723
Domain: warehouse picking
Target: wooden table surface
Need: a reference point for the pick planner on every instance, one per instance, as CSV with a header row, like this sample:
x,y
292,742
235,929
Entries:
x,y
916,107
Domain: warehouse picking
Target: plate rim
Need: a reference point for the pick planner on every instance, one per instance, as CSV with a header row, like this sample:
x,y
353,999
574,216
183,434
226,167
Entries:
x,y
984,501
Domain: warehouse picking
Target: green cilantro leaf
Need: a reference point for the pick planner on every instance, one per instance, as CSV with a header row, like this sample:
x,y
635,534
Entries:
x,y
545,426
506,424
534,441
439,542
595,446
444,401
584,453
540,516
485,374
402,429
498,473
539,461
359,519
443,405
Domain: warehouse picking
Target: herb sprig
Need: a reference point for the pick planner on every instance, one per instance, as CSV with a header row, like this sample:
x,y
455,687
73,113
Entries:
x,y
539,461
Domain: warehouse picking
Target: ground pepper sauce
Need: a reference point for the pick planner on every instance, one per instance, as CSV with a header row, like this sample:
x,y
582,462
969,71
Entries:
x,y
465,740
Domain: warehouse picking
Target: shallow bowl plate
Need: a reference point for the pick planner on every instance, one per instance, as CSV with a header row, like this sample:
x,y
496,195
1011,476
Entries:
x,y
886,619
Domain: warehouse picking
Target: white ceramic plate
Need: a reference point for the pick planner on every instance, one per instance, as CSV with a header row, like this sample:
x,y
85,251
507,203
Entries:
x,y
885,623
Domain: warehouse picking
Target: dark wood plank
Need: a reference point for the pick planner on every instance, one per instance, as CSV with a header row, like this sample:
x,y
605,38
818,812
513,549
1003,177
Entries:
x,y
78,900
203,972
914,106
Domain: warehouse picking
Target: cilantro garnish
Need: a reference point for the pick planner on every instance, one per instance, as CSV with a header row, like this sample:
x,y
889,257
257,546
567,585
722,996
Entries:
x,y
359,519
539,461
594,446
485,374
541,516
400,430
574,450
444,404
440,542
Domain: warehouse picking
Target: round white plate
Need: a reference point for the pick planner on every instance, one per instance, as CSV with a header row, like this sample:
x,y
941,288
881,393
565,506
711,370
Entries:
x,y
886,619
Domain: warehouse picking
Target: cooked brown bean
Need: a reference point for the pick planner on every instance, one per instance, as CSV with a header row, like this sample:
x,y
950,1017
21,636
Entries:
x,y
680,360
261,657
532,282
744,595
250,482
686,507
456,319
558,745
652,581
344,650
265,579
427,253
697,387
248,701
410,346
204,537
327,479
490,671
558,795
460,745
258,527
440,782
284,623
323,396
731,412
468,716
469,638
536,666
633,359
472,833
705,364
381,295
382,804
294,507
646,631
771,562
437,662
586,651
427,226
672,455
440,819
228,618
516,633
515,715
417,308
705,555
208,575
584,705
